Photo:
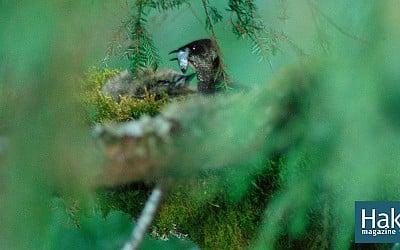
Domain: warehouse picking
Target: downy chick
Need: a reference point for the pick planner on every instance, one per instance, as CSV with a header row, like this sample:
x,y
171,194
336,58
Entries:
x,y
156,83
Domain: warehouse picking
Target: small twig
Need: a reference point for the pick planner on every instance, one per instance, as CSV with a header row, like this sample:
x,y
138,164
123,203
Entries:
x,y
300,52
209,19
219,51
320,33
145,219
196,16
335,25
214,205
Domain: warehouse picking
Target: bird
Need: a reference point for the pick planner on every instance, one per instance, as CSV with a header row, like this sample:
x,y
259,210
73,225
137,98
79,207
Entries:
x,y
203,56
157,83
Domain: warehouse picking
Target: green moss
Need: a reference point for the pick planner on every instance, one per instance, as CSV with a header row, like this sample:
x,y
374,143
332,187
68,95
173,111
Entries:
x,y
100,108
129,199
210,216
203,208
218,210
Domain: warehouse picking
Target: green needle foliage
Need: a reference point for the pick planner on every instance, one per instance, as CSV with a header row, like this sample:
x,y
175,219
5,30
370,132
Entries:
x,y
243,18
247,24
142,52
164,5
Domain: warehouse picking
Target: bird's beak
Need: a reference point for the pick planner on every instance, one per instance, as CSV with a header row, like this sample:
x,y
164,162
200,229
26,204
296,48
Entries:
x,y
174,51
190,77
183,56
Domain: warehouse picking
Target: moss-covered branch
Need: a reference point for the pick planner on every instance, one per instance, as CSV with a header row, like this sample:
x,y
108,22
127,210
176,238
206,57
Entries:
x,y
205,132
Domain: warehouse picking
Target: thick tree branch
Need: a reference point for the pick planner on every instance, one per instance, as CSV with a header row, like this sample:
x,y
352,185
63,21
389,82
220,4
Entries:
x,y
206,132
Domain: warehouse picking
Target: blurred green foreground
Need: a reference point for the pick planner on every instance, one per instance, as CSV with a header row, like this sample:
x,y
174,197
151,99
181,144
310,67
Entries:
x,y
348,131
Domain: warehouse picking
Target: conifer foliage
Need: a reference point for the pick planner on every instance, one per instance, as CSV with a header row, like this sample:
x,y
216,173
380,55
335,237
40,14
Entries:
x,y
243,18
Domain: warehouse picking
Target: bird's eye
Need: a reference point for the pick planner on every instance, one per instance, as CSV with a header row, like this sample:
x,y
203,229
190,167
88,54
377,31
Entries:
x,y
194,48
164,82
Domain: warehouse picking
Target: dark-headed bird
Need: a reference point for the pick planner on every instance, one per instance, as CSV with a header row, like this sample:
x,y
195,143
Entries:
x,y
202,55
148,83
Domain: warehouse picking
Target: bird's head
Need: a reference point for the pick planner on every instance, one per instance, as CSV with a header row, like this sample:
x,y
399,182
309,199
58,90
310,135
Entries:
x,y
196,53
